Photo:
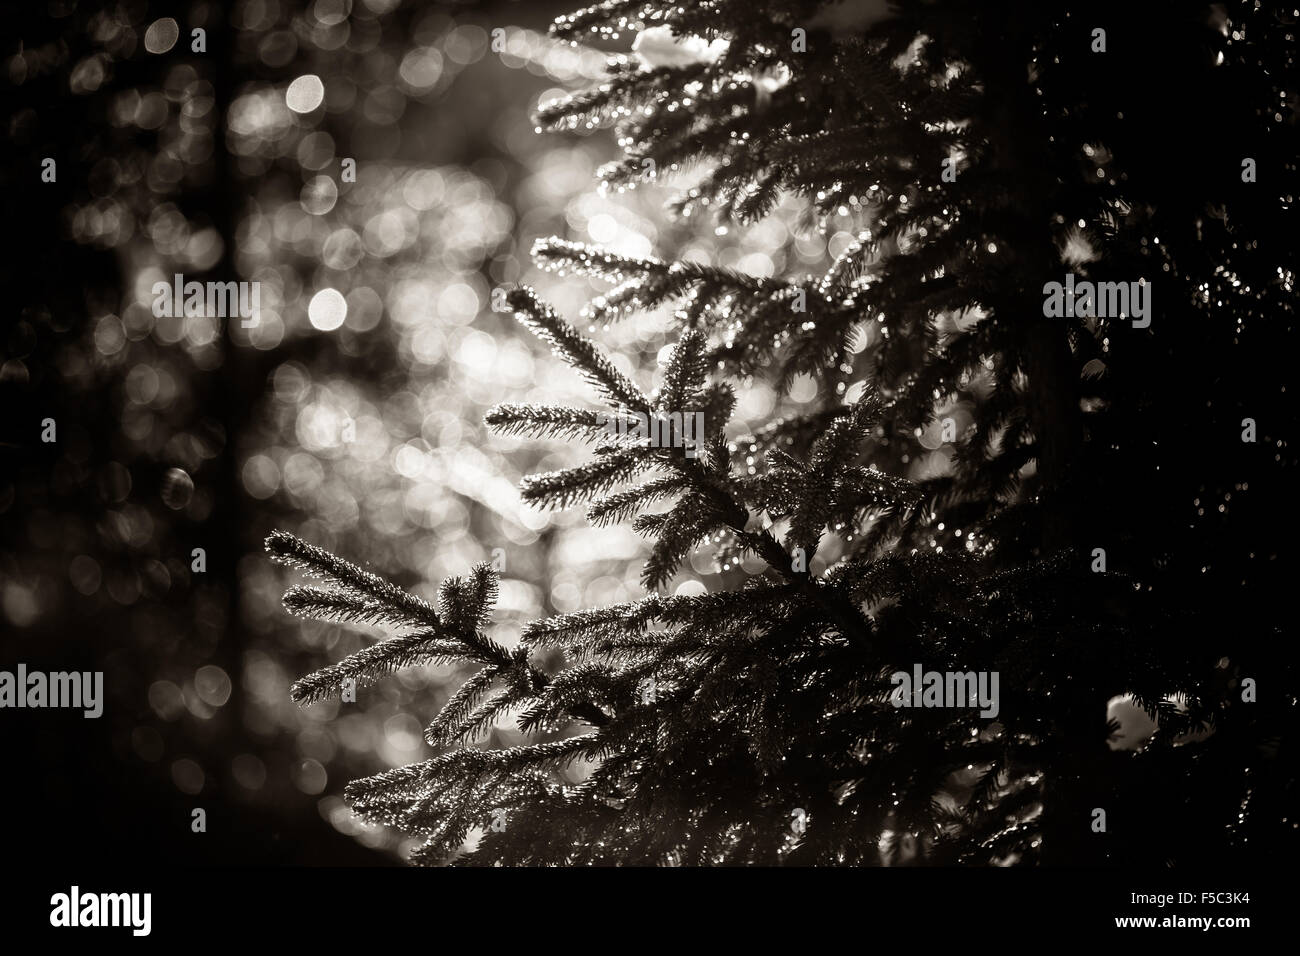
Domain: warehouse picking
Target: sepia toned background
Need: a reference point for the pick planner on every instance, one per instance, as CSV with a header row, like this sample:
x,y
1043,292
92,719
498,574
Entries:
x,y
350,413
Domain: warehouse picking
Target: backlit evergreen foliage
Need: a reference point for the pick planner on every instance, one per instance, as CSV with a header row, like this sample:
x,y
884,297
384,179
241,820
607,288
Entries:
x,y
752,724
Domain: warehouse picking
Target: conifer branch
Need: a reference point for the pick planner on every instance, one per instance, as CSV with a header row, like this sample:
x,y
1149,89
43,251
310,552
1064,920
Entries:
x,y
294,552
578,351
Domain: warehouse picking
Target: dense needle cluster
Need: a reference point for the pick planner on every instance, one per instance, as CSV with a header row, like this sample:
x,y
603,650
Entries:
x,y
753,723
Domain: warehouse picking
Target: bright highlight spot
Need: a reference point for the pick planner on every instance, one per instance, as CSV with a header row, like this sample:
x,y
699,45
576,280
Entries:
x,y
161,35
305,93
327,310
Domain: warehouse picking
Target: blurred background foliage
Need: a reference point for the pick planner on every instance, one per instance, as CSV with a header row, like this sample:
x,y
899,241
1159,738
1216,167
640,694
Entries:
x,y
350,413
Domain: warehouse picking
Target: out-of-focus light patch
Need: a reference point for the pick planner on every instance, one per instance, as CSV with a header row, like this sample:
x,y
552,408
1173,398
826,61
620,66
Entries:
x,y
340,816
690,588
811,247
212,684
177,488
442,429
249,771
424,189
659,46
371,441
473,475
803,388
459,303
257,116
291,382
429,345
756,402
303,474
327,310
410,461
410,301
200,331
390,232
757,264
343,249
425,506
565,595
322,426
166,699
142,384
316,151
1135,725
157,578
114,482
466,44
649,328
583,546
147,744
477,352
331,37
263,679
330,13
403,733
85,574
203,250
21,604
267,334
161,35
1076,249
519,597
139,322
365,308
318,196
509,634
421,69
766,235
151,111
305,93
935,464
931,437
124,586
278,48
514,364
839,242
602,228
604,591
261,477
195,704
310,777
384,106
88,75
188,776
14,372
703,561
169,230
110,336
317,743
517,534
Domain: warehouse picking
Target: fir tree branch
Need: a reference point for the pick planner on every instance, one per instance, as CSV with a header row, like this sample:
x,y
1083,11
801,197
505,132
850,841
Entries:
x,y
578,351
561,489
372,663
289,550
548,421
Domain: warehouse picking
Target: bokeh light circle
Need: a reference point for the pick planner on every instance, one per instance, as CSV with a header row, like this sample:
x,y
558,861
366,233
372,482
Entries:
x,y
305,93
161,35
327,310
